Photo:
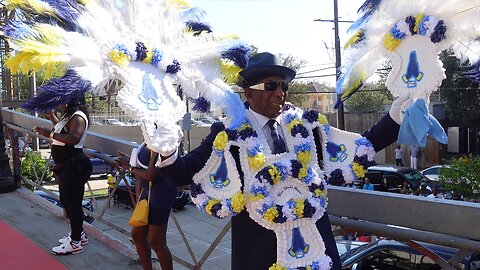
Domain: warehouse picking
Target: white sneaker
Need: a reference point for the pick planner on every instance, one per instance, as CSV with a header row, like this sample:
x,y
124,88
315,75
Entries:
x,y
70,247
83,239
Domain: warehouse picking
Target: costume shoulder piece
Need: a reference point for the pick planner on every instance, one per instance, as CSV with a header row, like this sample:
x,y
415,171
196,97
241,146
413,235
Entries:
x,y
346,155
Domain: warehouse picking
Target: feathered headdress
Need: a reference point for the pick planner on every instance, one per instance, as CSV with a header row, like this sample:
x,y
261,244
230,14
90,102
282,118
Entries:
x,y
410,34
144,48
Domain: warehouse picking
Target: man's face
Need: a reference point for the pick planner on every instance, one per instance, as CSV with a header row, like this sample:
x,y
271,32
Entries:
x,y
267,103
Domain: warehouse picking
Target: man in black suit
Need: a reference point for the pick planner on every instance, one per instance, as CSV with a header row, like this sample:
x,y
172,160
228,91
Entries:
x,y
265,85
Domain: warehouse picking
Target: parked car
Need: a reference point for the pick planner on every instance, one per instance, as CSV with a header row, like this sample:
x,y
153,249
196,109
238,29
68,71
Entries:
x,y
86,203
43,144
433,172
112,122
390,179
198,123
207,120
100,166
133,122
393,255
122,195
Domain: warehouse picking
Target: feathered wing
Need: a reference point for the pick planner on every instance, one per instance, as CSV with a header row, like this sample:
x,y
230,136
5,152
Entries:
x,y
383,26
142,48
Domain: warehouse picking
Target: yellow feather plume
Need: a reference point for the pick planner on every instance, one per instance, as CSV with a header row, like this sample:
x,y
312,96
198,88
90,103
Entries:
x,y
41,52
177,4
354,39
229,71
38,6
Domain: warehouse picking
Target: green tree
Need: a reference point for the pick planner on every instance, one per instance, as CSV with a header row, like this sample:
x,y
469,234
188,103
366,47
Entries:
x,y
33,166
461,95
297,90
462,177
371,98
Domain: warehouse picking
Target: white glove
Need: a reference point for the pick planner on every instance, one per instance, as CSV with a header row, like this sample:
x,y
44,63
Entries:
x,y
162,138
398,107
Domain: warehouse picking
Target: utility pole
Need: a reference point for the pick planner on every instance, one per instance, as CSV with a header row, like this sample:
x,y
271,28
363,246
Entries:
x,y
338,59
338,63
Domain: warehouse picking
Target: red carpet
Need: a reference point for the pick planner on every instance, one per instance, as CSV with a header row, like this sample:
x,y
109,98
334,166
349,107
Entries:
x,y
20,253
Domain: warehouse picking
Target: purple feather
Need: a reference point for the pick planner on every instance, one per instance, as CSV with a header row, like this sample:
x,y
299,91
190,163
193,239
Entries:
x,y
198,27
58,91
16,28
201,104
239,54
174,67
68,11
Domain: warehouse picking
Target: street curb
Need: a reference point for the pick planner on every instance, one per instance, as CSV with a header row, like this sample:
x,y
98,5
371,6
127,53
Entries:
x,y
91,230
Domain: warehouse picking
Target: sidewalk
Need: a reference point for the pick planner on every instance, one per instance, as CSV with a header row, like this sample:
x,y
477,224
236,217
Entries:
x,y
40,221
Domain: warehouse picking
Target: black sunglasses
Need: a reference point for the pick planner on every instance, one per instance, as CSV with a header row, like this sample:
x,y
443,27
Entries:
x,y
270,86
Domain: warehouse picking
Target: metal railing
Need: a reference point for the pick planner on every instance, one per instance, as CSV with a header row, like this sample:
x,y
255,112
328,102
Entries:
x,y
402,217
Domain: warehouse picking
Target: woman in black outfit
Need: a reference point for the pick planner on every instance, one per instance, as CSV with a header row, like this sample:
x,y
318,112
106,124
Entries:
x,y
72,169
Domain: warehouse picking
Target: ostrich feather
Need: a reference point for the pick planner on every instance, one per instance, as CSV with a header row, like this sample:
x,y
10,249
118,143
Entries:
x,y
58,91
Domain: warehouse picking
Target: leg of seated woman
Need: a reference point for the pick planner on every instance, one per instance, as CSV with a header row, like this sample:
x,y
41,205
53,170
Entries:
x,y
139,236
158,242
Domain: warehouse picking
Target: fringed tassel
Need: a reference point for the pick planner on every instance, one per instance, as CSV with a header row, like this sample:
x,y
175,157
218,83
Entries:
x,y
58,91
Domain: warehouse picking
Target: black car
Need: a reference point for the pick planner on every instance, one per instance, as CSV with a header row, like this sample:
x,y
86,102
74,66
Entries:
x,y
122,195
390,178
100,166
87,203
393,255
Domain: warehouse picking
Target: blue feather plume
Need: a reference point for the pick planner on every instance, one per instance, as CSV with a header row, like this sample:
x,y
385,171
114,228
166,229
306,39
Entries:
x,y
235,109
68,11
193,14
198,27
16,28
472,72
239,54
366,9
58,91
201,104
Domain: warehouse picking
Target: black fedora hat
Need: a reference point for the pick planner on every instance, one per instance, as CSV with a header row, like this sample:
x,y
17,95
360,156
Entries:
x,y
263,65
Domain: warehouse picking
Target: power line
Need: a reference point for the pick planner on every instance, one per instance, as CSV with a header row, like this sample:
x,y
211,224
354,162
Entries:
x,y
315,70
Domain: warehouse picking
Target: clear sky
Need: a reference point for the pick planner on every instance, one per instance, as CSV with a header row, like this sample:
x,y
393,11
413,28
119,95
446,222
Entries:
x,y
284,26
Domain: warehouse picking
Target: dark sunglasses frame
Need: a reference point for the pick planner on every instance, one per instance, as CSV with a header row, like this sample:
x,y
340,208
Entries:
x,y
270,86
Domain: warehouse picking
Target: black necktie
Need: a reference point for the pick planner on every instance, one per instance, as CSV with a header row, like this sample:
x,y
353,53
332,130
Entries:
x,y
278,143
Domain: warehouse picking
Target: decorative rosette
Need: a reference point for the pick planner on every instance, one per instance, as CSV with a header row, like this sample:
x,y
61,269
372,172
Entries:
x,y
215,207
313,116
428,26
300,137
274,179
364,157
